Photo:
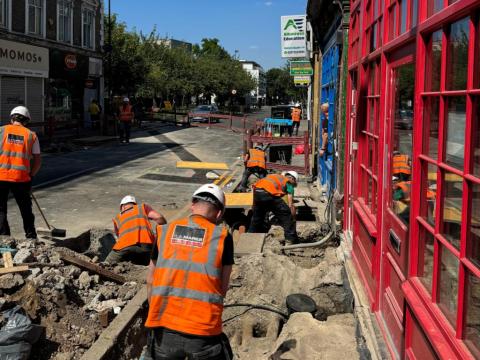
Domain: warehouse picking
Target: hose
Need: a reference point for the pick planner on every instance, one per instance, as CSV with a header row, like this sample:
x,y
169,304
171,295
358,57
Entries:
x,y
308,245
258,306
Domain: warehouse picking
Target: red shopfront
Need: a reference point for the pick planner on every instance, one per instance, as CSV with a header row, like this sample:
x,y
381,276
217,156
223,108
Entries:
x,y
413,171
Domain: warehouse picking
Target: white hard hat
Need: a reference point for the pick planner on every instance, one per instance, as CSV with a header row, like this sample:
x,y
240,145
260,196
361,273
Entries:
x,y
292,173
128,199
213,190
126,99
20,110
297,104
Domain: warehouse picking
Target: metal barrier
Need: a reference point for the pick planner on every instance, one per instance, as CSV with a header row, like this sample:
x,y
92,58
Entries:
x,y
230,122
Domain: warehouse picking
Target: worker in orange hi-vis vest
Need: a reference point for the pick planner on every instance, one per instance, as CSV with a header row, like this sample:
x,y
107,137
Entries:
x,y
19,162
296,117
255,163
401,166
187,282
125,117
135,236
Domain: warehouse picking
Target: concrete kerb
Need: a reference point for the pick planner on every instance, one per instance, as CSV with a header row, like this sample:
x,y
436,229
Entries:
x,y
108,338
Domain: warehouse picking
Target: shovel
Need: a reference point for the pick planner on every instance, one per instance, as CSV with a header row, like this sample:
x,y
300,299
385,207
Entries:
x,y
50,231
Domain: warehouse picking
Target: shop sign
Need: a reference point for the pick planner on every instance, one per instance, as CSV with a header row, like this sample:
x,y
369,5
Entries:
x,y
301,67
301,80
294,36
68,65
71,61
23,60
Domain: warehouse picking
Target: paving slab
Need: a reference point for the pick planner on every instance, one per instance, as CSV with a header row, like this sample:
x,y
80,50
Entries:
x,y
250,243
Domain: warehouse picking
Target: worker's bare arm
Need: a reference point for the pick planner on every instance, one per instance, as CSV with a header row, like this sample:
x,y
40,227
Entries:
x,y
36,164
226,271
157,217
151,270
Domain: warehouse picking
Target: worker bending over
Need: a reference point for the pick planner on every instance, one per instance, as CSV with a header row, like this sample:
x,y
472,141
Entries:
x,y
19,162
134,232
255,163
268,196
187,281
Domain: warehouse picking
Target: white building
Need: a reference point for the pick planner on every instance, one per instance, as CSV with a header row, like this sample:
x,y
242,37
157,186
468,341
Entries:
x,y
257,96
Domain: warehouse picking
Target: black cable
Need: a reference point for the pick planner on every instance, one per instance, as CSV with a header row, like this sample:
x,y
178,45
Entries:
x,y
258,306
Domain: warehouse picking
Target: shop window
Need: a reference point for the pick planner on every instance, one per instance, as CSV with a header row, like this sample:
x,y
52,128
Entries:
x,y
472,317
430,120
452,207
473,244
455,131
88,28
65,23
4,13
457,50
35,17
429,193
425,259
434,6
448,285
434,62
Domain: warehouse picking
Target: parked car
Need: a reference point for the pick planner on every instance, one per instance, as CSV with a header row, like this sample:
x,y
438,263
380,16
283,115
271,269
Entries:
x,y
201,113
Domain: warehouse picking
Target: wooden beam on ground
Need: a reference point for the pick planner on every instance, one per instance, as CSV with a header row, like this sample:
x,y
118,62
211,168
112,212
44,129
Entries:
x,y
8,265
238,200
201,165
92,267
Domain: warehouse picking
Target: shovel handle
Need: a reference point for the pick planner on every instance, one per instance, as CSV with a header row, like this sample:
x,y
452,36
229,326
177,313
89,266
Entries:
x,y
41,212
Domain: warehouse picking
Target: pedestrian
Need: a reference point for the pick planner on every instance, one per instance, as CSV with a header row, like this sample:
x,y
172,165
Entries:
x,y
187,282
134,232
324,135
19,161
125,117
296,117
255,163
94,111
268,196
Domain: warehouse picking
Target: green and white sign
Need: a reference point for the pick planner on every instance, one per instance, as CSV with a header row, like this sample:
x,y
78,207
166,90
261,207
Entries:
x,y
301,80
294,36
300,67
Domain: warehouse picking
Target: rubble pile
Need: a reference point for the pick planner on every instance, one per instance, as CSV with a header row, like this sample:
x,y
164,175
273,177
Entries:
x,y
64,298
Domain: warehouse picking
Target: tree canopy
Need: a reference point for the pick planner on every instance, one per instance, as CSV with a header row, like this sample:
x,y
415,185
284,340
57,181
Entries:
x,y
281,88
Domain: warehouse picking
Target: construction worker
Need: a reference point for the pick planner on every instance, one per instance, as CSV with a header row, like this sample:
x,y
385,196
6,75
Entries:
x,y
324,108
267,196
296,117
401,197
134,232
255,163
125,117
187,281
401,166
19,161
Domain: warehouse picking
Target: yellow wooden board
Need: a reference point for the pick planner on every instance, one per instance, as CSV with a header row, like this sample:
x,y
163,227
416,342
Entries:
x,y
239,200
201,165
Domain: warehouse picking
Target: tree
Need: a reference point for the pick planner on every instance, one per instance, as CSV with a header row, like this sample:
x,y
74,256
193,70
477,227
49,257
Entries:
x,y
281,88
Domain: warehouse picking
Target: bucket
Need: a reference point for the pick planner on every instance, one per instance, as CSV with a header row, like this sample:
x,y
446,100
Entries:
x,y
300,303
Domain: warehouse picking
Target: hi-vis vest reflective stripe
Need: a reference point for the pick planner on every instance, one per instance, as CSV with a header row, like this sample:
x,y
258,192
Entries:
x,y
256,158
296,114
133,228
274,184
16,153
125,114
401,165
187,288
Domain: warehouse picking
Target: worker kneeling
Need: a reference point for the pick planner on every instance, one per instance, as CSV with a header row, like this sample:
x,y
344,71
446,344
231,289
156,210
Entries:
x,y
187,281
254,164
134,232
268,197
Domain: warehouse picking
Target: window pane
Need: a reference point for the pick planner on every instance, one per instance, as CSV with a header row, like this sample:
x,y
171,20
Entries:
x,y
455,130
414,19
450,2
434,6
429,194
458,55
371,90
371,116
373,37
472,318
476,141
3,13
473,241
375,8
448,285
425,259
430,122
31,20
403,16
452,208
433,63
392,23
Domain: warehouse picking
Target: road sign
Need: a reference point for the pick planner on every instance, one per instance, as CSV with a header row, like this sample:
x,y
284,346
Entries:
x,y
301,80
300,67
294,36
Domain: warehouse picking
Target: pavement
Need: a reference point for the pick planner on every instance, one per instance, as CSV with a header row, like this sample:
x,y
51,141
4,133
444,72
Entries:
x,y
80,190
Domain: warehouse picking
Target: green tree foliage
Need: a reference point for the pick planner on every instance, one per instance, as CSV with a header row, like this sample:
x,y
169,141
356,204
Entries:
x,y
280,87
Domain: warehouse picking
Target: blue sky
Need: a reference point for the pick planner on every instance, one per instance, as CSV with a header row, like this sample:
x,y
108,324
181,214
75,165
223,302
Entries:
x,y
250,26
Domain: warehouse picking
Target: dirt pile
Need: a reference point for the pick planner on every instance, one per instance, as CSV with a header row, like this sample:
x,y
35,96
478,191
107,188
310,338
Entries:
x,y
65,298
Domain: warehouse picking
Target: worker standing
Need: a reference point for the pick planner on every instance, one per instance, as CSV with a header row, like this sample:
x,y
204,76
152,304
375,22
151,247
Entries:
x,y
324,135
134,232
19,161
125,116
255,163
187,281
268,196
296,117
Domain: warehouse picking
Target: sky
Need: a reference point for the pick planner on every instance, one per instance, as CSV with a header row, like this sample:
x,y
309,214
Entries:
x,y
250,26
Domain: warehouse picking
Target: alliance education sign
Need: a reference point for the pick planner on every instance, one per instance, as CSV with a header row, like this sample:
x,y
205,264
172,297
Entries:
x,y
294,36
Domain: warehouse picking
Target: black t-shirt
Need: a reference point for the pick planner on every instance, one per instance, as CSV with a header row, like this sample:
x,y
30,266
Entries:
x,y
227,256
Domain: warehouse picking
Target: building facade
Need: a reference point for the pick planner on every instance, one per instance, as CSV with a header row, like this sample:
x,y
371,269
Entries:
x,y
257,96
51,58
412,171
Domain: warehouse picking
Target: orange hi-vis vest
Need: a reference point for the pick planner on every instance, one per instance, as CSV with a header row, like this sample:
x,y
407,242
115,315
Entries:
x,y
126,114
16,153
401,165
187,287
133,227
256,158
296,113
274,184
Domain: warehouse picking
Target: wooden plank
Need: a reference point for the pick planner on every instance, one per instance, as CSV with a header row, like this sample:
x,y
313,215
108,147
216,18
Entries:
x,y
7,260
92,267
238,200
222,176
201,165
13,269
227,180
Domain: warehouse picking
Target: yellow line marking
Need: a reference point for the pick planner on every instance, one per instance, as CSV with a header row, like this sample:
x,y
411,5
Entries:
x,y
201,165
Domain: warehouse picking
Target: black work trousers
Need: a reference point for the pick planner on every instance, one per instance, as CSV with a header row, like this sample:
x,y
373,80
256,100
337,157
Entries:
x,y
124,130
165,344
263,202
21,193
260,172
